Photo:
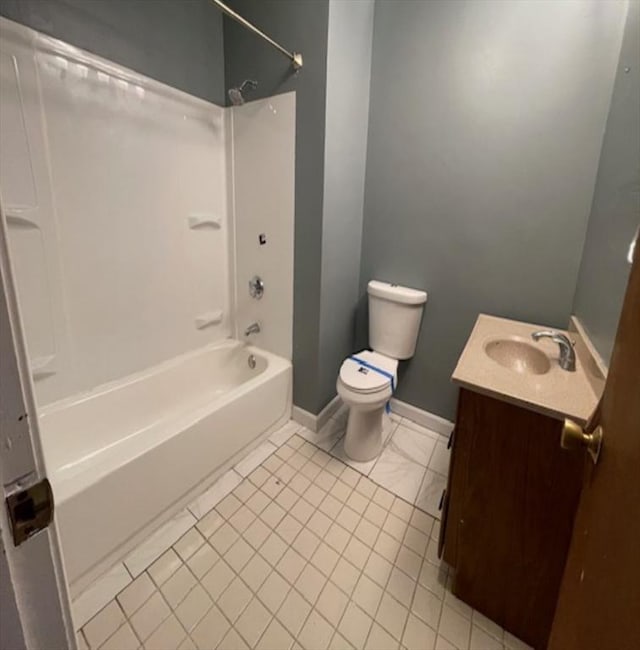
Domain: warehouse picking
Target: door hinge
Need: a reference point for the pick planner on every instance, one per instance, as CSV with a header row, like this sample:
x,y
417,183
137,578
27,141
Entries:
x,y
30,510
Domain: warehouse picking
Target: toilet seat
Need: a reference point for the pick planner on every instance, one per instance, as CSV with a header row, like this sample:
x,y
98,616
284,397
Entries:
x,y
361,379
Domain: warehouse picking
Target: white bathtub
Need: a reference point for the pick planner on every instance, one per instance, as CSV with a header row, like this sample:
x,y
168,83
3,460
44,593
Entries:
x,y
126,456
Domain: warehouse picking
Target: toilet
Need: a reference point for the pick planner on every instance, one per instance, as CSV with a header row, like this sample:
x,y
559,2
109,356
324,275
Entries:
x,y
368,379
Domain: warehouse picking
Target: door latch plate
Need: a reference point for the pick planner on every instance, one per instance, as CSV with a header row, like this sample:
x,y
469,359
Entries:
x,y
30,510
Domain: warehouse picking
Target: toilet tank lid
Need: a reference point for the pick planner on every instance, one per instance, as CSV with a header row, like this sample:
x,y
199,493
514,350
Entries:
x,y
396,293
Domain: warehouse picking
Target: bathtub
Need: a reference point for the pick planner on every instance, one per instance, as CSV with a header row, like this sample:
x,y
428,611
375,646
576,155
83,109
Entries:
x,y
125,457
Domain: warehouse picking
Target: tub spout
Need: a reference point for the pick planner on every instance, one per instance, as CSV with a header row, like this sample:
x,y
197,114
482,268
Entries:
x,y
254,328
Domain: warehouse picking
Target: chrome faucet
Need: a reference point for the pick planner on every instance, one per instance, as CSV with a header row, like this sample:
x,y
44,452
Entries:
x,y
567,359
254,328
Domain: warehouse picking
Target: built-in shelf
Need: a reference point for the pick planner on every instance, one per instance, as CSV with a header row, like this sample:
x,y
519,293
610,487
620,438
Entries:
x,y
42,367
21,220
204,220
209,318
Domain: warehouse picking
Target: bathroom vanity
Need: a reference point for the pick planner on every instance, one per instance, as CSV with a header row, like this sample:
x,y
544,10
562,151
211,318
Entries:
x,y
512,490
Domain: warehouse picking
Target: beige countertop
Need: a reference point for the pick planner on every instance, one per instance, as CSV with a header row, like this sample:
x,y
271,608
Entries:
x,y
557,393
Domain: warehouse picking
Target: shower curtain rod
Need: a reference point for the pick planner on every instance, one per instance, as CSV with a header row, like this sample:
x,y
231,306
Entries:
x,y
296,57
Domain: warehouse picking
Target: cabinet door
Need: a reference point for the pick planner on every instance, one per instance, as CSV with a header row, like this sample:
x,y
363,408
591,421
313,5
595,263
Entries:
x,y
517,500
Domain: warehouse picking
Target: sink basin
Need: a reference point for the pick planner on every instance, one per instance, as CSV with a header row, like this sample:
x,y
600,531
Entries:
x,y
521,357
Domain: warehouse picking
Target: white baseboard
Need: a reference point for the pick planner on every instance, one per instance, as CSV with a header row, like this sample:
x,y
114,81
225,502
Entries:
x,y
316,422
425,419
304,418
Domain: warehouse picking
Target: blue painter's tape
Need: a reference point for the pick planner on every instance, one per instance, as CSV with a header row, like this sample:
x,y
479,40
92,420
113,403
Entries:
x,y
380,371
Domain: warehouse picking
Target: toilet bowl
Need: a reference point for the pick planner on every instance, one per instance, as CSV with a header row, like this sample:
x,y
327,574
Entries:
x,y
366,392
368,379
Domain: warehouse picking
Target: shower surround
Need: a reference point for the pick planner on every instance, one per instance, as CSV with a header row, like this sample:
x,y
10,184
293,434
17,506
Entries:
x,y
136,215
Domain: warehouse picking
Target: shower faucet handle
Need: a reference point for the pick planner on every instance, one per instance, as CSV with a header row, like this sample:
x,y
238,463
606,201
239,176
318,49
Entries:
x,y
256,287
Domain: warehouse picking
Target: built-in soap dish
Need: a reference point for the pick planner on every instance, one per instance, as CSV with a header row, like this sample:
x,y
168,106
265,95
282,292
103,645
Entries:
x,y
209,318
204,220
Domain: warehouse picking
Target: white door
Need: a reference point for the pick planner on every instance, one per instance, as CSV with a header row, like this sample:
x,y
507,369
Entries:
x,y
35,611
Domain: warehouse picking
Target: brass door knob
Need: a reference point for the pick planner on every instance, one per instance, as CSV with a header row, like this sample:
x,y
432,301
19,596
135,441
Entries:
x,y
573,437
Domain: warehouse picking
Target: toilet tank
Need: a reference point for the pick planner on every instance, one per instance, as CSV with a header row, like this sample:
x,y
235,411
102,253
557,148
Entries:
x,y
394,318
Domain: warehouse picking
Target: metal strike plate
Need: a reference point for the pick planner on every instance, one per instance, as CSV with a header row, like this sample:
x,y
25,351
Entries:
x,y
30,510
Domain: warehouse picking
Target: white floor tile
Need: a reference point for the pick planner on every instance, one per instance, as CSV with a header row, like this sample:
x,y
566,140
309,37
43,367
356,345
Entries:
x,y
202,560
430,493
355,625
417,635
414,446
367,595
176,588
275,637
188,544
256,572
253,622
234,599
151,549
427,606
454,627
331,604
148,618
397,474
273,591
123,639
440,459
169,634
345,575
433,578
293,612
164,567
218,491
233,640
380,639
211,629
136,594
193,608
392,616
316,632
101,592
283,434
217,579
310,583
104,624
255,458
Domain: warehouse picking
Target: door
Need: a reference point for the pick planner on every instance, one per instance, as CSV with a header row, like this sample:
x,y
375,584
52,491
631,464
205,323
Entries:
x,y
599,601
34,603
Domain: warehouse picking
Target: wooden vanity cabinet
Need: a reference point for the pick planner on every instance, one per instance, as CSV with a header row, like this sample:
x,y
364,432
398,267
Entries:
x,y
508,513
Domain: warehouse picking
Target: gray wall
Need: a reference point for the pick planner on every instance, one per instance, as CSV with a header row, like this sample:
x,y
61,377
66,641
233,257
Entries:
x,y
347,117
299,26
178,43
615,213
485,127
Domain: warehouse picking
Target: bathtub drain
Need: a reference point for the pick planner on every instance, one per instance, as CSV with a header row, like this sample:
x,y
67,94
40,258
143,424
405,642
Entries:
x,y
251,361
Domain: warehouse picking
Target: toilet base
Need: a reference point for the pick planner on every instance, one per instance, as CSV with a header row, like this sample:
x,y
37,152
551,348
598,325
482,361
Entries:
x,y
363,439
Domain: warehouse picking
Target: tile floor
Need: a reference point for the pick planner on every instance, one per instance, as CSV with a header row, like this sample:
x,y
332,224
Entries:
x,y
295,548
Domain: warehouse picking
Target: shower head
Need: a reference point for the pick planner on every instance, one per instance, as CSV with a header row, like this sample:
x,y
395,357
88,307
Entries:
x,y
235,94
